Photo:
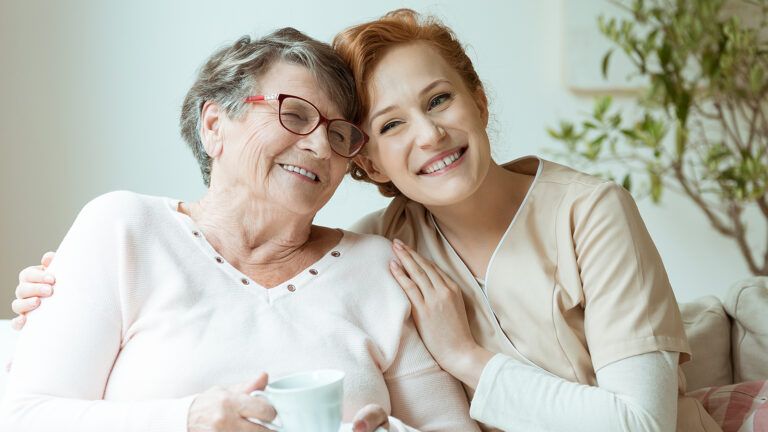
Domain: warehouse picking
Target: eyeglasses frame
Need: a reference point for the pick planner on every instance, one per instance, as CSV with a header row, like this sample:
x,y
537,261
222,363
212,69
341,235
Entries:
x,y
279,97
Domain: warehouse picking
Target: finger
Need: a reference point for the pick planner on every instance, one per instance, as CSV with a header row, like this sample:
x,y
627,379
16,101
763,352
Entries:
x,y
22,306
412,268
36,274
244,425
26,290
18,322
428,266
246,388
256,407
453,286
410,288
47,258
369,418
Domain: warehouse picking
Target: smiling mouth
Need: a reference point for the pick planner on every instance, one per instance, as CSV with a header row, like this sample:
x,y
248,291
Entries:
x,y
301,171
443,163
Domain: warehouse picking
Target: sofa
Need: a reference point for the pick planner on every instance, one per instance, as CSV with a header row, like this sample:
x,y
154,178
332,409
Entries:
x,y
729,339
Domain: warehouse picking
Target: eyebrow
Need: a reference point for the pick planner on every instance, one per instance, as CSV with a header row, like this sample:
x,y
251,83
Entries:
x,y
425,90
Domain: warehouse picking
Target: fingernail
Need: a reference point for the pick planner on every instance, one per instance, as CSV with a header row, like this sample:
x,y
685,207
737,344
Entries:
x,y
46,290
48,279
398,245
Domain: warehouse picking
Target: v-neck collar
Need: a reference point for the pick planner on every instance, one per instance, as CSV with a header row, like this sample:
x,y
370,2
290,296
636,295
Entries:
x,y
486,277
292,286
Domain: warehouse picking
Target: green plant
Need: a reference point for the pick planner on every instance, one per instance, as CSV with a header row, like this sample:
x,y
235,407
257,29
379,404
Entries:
x,y
699,126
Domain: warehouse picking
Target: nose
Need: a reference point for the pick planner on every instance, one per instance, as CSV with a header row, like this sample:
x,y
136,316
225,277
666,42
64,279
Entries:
x,y
317,142
428,133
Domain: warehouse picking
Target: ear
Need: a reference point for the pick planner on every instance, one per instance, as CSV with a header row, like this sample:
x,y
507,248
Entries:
x,y
210,128
482,104
371,169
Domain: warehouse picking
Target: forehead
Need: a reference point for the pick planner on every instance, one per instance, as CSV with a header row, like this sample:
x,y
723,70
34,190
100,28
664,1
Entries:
x,y
297,80
406,70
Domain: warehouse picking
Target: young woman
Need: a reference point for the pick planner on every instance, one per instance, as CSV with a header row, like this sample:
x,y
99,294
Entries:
x,y
536,285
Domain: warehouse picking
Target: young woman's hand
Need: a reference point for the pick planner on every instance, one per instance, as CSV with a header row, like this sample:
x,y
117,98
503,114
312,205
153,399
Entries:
x,y
371,418
439,314
34,282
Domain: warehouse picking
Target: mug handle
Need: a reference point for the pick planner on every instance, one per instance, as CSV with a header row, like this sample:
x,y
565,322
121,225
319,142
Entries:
x,y
271,426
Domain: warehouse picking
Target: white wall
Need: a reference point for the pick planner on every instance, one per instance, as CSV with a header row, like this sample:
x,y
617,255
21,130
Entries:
x,y
91,92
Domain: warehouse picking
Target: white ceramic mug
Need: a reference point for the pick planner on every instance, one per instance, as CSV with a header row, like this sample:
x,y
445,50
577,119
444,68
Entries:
x,y
306,401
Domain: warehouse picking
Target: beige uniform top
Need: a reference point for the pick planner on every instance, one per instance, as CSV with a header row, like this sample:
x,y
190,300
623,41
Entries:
x,y
574,284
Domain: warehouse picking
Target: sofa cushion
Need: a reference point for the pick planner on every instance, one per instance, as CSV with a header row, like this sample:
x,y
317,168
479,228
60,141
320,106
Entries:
x,y
747,304
709,334
737,407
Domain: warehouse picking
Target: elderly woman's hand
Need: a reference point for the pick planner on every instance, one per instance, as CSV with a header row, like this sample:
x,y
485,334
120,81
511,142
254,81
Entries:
x,y
369,418
227,409
34,283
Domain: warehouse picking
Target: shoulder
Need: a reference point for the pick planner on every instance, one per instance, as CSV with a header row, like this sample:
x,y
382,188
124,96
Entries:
x,y
397,220
123,203
576,190
553,172
123,207
369,247
372,223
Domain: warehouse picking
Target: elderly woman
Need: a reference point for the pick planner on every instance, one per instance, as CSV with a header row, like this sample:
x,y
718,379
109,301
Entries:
x,y
162,301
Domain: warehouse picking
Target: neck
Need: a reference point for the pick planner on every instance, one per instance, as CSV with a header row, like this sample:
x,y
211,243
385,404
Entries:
x,y
488,211
249,230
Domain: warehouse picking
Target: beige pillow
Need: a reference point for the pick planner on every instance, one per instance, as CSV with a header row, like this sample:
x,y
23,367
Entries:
x,y
709,333
747,304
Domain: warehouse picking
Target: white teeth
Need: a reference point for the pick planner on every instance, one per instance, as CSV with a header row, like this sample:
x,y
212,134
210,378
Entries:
x,y
309,174
443,163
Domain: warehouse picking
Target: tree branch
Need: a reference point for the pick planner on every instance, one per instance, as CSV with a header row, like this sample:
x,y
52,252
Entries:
x,y
741,239
699,201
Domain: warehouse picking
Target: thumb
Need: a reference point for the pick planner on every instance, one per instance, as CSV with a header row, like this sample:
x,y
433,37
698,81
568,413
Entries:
x,y
47,258
246,388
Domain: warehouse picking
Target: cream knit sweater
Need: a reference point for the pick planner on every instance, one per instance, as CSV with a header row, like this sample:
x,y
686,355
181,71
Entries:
x,y
146,315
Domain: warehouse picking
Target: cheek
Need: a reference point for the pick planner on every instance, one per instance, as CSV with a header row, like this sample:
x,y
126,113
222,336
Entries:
x,y
339,168
391,157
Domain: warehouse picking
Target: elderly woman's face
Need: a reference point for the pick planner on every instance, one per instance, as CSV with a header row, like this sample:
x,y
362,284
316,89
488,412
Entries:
x,y
262,156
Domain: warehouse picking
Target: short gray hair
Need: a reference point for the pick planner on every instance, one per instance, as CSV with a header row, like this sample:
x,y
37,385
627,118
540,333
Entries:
x,y
231,74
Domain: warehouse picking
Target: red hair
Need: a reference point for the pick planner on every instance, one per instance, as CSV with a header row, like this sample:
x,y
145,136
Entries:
x,y
362,47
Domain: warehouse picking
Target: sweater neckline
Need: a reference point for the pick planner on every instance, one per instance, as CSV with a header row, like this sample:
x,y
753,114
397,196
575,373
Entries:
x,y
292,286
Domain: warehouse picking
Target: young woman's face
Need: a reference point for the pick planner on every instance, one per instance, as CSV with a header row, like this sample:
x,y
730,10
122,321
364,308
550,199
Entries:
x,y
427,128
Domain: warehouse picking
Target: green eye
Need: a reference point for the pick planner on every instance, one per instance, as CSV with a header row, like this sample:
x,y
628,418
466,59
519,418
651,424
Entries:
x,y
388,126
439,100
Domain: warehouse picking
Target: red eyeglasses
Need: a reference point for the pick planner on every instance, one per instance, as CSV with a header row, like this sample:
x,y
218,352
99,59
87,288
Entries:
x,y
300,117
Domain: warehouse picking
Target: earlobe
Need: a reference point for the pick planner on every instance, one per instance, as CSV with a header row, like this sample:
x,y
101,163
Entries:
x,y
370,168
210,131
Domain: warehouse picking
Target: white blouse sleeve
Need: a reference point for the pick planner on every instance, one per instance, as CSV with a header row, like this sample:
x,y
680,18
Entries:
x,y
638,393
